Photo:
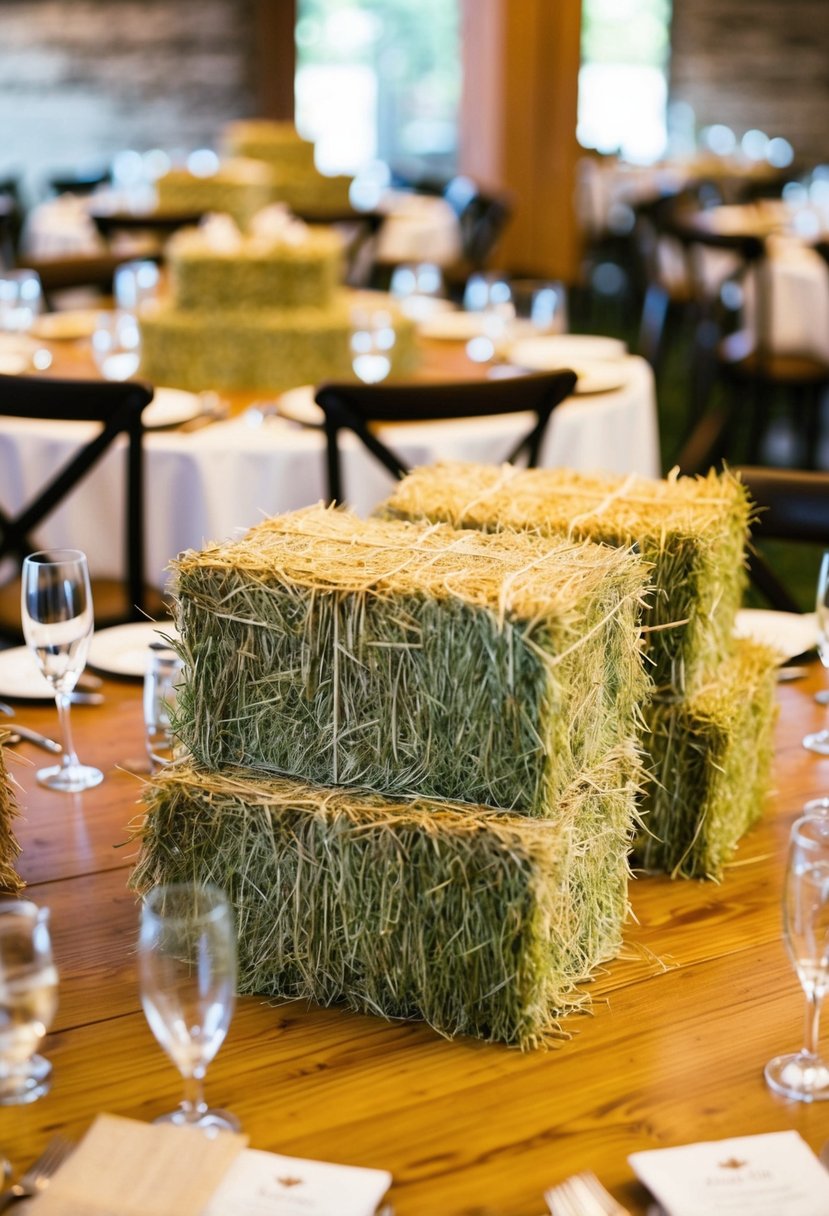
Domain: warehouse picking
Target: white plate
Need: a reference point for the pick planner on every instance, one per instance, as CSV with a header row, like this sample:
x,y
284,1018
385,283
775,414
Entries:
x,y
299,405
790,633
565,350
171,407
20,676
66,326
453,326
122,650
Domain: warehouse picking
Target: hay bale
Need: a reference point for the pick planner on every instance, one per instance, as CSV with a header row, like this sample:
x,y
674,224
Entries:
x,y
10,880
410,659
479,922
710,766
692,530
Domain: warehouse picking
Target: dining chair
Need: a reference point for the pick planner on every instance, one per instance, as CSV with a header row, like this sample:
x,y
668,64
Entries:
x,y
359,407
752,373
117,407
793,505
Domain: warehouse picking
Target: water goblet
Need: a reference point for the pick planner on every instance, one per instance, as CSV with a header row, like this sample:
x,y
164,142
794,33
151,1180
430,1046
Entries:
x,y
804,1075
491,296
135,284
21,299
28,1000
116,345
540,306
161,680
56,608
187,975
372,342
418,289
818,741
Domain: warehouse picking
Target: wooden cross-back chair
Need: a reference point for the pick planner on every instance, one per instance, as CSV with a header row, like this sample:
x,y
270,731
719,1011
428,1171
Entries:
x,y
792,505
117,407
358,407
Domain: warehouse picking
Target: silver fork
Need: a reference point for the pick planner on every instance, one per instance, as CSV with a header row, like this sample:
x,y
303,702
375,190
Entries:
x,y
582,1195
39,1174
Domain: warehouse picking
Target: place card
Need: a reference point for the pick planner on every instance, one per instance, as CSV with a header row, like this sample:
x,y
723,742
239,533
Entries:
x,y
267,1184
770,1175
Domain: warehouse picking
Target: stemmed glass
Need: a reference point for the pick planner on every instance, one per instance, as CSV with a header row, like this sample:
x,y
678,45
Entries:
x,y
187,973
116,345
28,1000
819,740
56,607
491,297
372,343
803,1075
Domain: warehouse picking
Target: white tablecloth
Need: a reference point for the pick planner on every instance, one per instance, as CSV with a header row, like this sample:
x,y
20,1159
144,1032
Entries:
x,y
208,484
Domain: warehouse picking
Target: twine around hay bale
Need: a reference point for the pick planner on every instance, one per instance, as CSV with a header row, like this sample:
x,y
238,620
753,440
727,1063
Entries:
x,y
710,766
693,531
410,659
479,922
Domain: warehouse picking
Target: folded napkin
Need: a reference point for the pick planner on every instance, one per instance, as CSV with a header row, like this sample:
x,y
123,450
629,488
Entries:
x,y
126,1168
770,1175
267,1184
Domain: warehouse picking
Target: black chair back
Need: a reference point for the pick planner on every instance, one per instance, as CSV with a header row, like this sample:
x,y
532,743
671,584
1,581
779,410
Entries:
x,y
118,407
356,407
793,505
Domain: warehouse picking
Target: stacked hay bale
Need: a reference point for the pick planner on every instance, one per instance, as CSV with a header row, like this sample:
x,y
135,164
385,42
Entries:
x,y
708,729
10,881
414,764
290,159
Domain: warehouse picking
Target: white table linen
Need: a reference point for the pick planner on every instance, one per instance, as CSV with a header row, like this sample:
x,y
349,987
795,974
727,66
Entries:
x,y
209,484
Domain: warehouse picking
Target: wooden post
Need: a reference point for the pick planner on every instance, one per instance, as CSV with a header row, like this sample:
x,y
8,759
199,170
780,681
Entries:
x,y
274,58
518,123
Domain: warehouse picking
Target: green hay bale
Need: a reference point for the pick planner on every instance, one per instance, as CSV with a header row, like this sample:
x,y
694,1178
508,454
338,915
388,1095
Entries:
x,y
478,922
410,659
710,765
692,530
258,272
10,880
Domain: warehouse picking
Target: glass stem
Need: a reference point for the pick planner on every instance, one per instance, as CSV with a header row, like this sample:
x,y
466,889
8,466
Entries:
x,y
194,1104
811,1036
70,756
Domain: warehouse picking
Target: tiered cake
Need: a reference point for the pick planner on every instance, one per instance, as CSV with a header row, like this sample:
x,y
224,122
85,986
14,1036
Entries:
x,y
295,178
261,311
414,764
708,730
238,187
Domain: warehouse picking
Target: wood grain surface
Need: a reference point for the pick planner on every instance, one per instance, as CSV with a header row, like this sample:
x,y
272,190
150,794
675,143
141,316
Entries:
x,y
672,1051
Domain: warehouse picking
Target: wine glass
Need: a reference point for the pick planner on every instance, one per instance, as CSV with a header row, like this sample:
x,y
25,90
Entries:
x,y
28,1000
161,681
803,1074
21,299
187,971
818,741
116,345
56,606
372,342
489,295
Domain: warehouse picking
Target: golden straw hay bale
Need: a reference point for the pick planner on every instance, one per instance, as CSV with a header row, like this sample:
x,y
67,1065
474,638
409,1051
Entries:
x,y
692,530
10,880
479,922
410,659
710,762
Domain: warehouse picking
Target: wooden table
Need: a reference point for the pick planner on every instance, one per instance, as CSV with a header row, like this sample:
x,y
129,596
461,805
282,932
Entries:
x,y
673,1052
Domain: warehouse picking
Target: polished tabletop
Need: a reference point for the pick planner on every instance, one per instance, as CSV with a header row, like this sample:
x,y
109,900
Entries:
x,y
671,1052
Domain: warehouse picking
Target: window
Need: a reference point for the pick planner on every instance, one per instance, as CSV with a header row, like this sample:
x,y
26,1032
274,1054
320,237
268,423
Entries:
x,y
379,80
623,78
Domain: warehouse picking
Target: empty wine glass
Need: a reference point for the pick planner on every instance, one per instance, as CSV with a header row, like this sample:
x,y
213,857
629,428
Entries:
x,y
818,741
161,680
21,300
187,971
116,345
803,1075
540,307
372,342
28,1000
491,296
56,608
418,289
136,284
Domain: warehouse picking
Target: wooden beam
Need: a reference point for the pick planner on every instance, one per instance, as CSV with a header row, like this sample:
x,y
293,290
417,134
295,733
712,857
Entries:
x,y
518,123
274,57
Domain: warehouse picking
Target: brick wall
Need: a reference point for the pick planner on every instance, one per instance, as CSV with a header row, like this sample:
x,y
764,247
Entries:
x,y
756,63
83,79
